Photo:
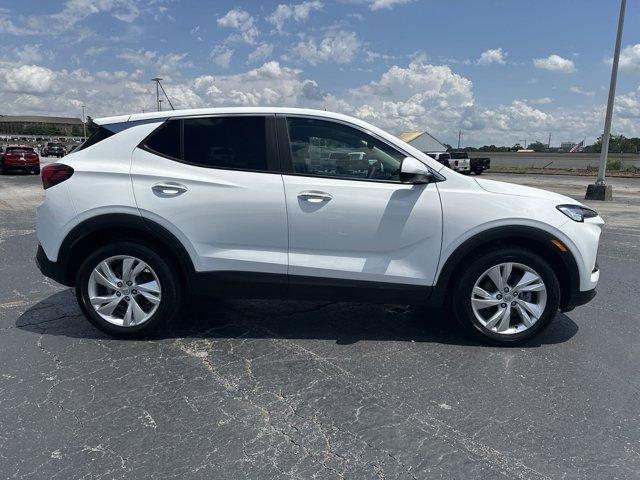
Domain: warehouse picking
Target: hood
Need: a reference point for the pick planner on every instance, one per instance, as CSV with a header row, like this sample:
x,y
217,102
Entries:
x,y
504,188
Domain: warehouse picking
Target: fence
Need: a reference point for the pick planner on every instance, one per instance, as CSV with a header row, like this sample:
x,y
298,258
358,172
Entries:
x,y
556,160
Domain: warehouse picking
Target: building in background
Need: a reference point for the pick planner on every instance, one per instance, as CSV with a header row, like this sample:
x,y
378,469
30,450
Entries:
x,y
423,141
34,125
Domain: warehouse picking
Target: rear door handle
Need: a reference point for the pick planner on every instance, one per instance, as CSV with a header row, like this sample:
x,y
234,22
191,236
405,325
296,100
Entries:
x,y
169,189
314,197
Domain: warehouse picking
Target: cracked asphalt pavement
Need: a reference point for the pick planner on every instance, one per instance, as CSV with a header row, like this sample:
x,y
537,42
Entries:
x,y
276,389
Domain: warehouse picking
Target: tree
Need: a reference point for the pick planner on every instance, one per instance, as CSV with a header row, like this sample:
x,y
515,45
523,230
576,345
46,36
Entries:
x,y
537,146
617,144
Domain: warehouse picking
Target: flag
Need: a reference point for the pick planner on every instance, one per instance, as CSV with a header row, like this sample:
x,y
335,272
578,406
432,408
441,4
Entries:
x,y
577,147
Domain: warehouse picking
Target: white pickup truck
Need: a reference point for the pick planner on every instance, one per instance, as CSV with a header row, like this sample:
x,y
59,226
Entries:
x,y
460,162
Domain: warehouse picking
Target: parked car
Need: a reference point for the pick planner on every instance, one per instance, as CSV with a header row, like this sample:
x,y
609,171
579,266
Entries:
x,y
145,212
20,157
442,158
52,149
460,162
479,164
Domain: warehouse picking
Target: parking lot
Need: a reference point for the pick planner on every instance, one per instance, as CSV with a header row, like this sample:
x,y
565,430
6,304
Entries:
x,y
264,389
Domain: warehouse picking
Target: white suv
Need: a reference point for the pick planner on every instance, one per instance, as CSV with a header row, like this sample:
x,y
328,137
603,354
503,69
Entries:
x,y
275,202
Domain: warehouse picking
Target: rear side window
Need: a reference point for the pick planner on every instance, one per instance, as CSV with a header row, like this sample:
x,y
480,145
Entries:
x,y
226,142
215,142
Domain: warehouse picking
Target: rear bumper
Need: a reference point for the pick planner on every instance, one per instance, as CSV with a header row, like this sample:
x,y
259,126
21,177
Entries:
x,y
21,165
578,298
50,269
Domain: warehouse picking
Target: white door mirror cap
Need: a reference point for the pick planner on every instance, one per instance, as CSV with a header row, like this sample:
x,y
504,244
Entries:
x,y
414,171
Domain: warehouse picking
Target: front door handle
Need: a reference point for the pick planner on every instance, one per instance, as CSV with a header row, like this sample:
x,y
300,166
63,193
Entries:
x,y
314,197
168,189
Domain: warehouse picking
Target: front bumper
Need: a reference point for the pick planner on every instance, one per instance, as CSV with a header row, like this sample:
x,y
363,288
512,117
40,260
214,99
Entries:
x,y
50,269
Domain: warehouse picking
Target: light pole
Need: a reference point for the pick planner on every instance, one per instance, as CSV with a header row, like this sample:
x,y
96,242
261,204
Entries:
x,y
157,80
84,125
599,190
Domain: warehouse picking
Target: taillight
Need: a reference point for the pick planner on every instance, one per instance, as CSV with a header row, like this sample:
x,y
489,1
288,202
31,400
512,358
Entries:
x,y
12,156
55,173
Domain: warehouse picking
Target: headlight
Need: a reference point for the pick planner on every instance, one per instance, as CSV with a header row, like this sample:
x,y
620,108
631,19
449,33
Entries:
x,y
577,213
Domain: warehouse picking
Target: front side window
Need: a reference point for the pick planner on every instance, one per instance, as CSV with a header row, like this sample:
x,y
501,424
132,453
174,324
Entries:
x,y
330,149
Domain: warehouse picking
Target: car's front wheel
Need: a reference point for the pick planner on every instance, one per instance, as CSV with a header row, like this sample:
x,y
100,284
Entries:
x,y
506,297
127,290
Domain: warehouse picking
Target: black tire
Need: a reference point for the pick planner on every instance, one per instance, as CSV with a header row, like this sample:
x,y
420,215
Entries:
x,y
460,299
171,300
36,171
477,171
2,169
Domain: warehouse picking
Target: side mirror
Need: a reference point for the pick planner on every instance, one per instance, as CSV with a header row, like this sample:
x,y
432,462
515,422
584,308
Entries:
x,y
414,171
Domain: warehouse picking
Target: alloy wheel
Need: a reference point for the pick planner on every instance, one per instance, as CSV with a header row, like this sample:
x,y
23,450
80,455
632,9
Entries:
x,y
509,298
124,290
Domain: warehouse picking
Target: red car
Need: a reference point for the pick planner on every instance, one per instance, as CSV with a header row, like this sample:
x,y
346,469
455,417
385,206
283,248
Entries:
x,y
18,157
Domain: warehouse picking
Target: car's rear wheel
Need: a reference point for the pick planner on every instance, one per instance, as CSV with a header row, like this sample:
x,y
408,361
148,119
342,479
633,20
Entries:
x,y
506,297
36,171
127,290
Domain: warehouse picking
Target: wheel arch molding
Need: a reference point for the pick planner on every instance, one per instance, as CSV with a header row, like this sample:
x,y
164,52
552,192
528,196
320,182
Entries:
x,y
101,229
539,241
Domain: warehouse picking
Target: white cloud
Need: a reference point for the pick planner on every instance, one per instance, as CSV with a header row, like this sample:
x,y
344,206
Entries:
x,y
298,12
242,21
221,55
30,79
139,58
338,47
262,52
494,55
388,4
73,12
540,101
555,63
630,58
404,97
581,91
31,53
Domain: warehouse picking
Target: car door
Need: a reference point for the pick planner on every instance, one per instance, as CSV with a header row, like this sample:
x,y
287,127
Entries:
x,y
214,182
349,215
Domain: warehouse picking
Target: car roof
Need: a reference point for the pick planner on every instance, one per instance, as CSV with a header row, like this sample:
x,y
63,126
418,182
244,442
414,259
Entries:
x,y
162,115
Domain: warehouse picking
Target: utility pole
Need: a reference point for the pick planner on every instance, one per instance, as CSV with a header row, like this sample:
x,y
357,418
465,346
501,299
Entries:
x,y
599,190
549,143
84,125
459,137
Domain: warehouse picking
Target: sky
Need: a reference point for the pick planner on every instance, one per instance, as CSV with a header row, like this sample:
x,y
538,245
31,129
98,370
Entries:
x,y
500,71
